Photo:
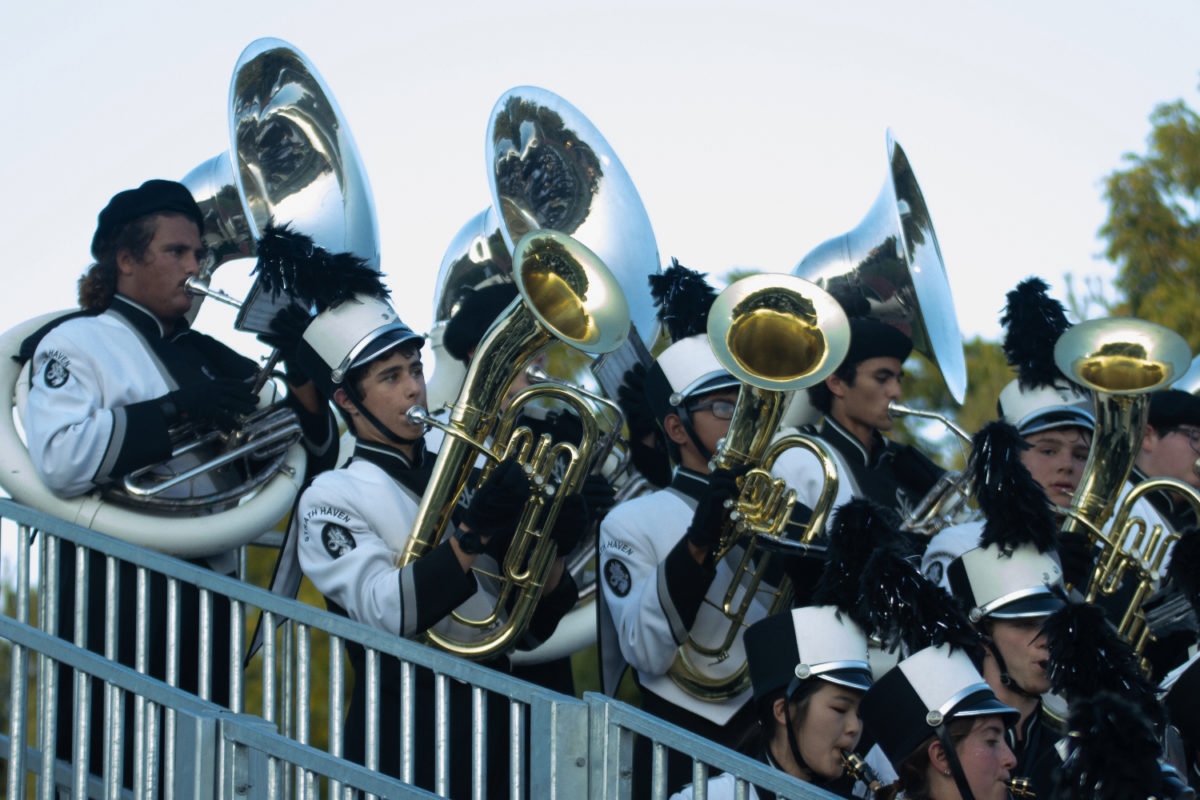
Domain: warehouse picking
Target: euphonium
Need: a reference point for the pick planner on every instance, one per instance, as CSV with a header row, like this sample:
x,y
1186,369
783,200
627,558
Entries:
x,y
775,333
565,292
947,503
1122,361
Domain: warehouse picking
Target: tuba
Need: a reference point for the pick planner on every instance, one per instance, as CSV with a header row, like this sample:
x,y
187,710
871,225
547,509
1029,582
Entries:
x,y
550,168
776,334
1122,361
292,158
566,292
890,268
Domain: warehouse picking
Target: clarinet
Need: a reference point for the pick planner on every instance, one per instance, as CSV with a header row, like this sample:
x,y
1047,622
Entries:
x,y
860,770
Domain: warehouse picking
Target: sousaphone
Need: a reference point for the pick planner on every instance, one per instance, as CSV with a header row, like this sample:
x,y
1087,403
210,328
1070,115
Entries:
x,y
292,159
890,268
549,168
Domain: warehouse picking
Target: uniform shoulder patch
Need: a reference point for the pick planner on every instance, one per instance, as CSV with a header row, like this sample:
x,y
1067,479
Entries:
x,y
616,575
56,373
337,540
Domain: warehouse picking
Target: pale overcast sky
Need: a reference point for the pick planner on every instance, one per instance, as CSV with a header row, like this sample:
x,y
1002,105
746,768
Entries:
x,y
753,130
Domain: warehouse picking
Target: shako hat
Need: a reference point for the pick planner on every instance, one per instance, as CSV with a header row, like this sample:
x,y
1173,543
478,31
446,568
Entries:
x,y
924,691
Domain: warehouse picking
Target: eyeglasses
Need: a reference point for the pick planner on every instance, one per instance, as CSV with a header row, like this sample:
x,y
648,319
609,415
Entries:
x,y
1193,435
721,409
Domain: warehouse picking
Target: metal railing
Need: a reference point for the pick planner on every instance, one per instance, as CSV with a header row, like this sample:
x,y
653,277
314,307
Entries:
x,y
270,741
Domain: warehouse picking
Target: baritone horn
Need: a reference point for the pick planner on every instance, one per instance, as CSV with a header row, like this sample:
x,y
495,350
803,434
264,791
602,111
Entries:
x,y
776,334
1122,361
566,292
890,268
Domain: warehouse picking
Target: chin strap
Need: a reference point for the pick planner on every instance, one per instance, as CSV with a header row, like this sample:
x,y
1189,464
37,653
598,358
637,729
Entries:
x,y
956,770
391,435
686,419
1009,682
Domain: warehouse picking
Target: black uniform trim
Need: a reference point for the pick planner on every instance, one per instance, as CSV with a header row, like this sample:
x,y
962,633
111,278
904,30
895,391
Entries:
x,y
411,474
892,475
682,583
433,586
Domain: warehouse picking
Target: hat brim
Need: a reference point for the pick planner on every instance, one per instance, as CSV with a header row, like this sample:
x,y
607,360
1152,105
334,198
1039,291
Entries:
x,y
1057,417
385,342
713,383
983,703
1039,605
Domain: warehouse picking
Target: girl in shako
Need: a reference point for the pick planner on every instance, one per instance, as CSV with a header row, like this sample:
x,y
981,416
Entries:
x,y
942,728
809,667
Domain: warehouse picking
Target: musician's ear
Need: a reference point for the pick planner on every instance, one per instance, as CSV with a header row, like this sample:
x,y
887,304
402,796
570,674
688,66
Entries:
x,y
343,402
673,426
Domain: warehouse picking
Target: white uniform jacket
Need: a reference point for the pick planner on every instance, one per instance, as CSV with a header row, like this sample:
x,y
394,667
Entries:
x,y
348,530
90,416
658,596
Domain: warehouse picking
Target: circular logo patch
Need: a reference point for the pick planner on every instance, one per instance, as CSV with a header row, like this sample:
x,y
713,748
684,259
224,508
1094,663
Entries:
x,y
616,575
337,540
56,373
934,572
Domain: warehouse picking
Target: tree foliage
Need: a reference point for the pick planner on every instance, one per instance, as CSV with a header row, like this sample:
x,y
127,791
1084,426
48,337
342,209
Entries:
x,y
1152,232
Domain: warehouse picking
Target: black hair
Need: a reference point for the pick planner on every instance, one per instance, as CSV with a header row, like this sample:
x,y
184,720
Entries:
x,y
357,375
97,286
820,396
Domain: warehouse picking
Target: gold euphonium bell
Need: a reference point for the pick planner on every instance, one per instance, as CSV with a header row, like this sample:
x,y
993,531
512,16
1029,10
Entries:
x,y
776,334
566,292
1122,361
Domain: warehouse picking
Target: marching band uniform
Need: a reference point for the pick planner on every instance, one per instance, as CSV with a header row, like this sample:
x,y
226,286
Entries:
x,y
350,524
106,384
657,595
1025,584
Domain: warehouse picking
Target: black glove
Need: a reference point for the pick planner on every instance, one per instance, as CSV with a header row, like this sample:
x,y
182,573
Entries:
x,y
1077,555
497,505
220,400
599,495
287,331
571,524
631,396
712,513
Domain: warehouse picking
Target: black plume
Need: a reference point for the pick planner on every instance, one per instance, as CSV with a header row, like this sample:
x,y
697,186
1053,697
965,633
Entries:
x,y
1014,504
858,529
1114,753
1088,657
902,606
1033,321
1184,568
290,262
683,298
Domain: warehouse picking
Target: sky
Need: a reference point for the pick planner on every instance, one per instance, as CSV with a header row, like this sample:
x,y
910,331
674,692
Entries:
x,y
753,130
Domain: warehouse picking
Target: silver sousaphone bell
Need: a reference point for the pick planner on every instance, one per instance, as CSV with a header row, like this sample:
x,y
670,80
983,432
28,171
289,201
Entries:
x,y
296,162
890,268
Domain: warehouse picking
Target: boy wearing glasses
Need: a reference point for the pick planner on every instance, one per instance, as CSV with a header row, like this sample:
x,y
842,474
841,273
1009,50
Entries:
x,y
661,586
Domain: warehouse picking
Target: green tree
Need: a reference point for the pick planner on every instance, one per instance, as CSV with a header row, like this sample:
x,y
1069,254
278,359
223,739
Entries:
x,y
1152,232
